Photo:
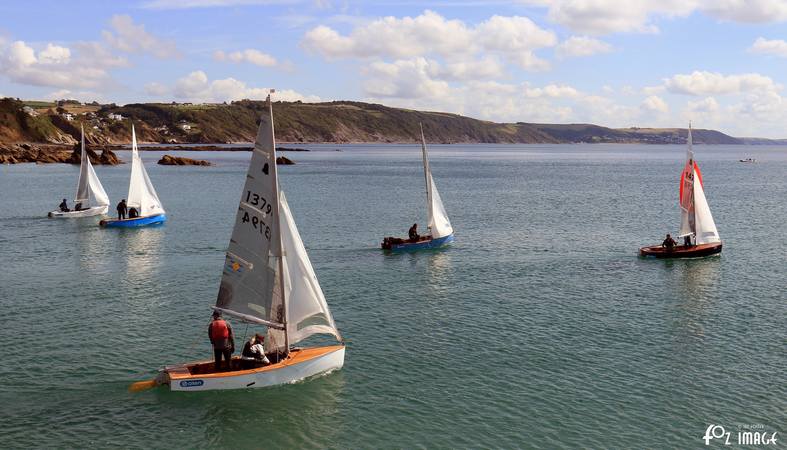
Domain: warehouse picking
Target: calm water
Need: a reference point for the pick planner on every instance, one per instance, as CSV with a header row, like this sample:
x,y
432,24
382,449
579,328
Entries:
x,y
539,328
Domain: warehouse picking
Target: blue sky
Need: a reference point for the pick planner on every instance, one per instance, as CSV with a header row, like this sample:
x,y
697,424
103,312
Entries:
x,y
721,63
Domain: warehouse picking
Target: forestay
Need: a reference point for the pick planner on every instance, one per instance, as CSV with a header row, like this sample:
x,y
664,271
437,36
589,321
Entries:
x,y
88,183
438,222
141,194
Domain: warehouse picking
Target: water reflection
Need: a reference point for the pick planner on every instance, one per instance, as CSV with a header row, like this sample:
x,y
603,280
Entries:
x,y
696,282
142,252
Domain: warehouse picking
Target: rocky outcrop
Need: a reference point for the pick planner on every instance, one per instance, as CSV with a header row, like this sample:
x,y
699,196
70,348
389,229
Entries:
x,y
168,160
284,161
48,154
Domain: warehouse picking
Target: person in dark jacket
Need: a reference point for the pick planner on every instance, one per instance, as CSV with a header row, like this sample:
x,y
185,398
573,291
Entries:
x,y
64,206
687,240
122,209
413,232
668,243
222,339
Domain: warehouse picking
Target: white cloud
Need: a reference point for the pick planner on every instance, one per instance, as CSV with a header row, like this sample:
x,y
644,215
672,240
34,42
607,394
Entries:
x,y
614,16
777,47
582,46
706,105
405,79
711,83
430,34
132,38
58,66
198,88
250,56
189,4
156,89
655,103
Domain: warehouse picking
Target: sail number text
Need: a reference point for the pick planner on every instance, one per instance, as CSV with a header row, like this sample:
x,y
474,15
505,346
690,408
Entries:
x,y
257,223
258,201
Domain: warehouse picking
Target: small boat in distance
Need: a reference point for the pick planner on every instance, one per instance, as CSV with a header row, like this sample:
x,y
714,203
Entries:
x,y
748,160
141,196
440,232
696,220
267,280
88,186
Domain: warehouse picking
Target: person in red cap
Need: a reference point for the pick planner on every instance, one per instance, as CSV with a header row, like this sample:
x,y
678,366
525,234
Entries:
x,y
220,334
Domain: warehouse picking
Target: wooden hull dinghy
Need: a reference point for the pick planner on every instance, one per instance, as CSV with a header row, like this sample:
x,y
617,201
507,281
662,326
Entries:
x,y
89,189
681,251
440,230
135,222
299,365
141,195
696,222
394,244
267,281
89,212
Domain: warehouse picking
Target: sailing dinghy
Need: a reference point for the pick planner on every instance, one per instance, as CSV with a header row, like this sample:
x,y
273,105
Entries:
x,y
696,223
88,186
267,280
141,195
440,232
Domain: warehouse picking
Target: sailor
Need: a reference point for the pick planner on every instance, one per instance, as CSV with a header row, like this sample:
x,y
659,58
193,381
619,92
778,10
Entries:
x,y
122,209
132,213
687,240
64,206
413,232
255,350
222,339
669,243
78,206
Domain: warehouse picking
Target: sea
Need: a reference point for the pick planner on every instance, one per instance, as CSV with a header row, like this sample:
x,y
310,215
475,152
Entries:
x,y
540,327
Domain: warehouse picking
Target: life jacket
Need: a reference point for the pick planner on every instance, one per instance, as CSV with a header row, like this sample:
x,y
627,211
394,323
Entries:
x,y
219,329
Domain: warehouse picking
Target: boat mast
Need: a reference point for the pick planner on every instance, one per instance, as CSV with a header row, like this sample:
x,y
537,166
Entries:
x,y
278,217
426,179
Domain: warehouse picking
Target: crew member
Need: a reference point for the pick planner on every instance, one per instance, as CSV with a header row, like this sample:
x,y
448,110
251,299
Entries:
x,y
122,209
687,240
668,243
64,206
413,232
222,339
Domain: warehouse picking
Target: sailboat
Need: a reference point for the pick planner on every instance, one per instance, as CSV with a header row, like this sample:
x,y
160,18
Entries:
x,y
267,281
439,229
141,196
88,186
697,228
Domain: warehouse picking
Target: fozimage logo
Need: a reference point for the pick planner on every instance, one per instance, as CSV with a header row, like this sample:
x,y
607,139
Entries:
x,y
746,435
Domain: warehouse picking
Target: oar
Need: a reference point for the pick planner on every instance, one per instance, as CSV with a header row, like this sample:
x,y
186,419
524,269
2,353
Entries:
x,y
140,386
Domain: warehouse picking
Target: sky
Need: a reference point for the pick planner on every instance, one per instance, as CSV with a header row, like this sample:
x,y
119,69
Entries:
x,y
721,64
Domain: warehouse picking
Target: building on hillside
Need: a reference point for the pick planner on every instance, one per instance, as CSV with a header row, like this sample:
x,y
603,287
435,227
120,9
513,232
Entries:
x,y
113,116
68,116
29,111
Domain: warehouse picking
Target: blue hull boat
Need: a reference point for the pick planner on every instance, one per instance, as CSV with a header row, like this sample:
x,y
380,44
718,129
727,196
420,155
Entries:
x,y
157,219
401,245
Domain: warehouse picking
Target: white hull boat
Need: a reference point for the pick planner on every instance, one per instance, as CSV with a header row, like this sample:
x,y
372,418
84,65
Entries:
x,y
267,281
299,365
94,211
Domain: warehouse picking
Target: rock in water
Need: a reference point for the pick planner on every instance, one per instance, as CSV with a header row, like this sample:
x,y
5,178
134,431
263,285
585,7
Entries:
x,y
283,160
168,160
109,158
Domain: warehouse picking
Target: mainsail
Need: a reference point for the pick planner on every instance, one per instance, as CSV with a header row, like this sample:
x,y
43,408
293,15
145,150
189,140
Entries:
x,y
266,253
88,181
141,194
438,222
696,219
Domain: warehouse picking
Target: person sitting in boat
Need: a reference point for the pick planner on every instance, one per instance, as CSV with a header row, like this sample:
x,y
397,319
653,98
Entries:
x,y
222,339
78,207
254,352
413,232
668,243
64,206
132,213
687,240
122,209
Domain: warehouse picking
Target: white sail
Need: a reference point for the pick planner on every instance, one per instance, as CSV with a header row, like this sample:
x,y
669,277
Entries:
x,y
307,309
141,194
438,223
88,182
705,228
250,281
